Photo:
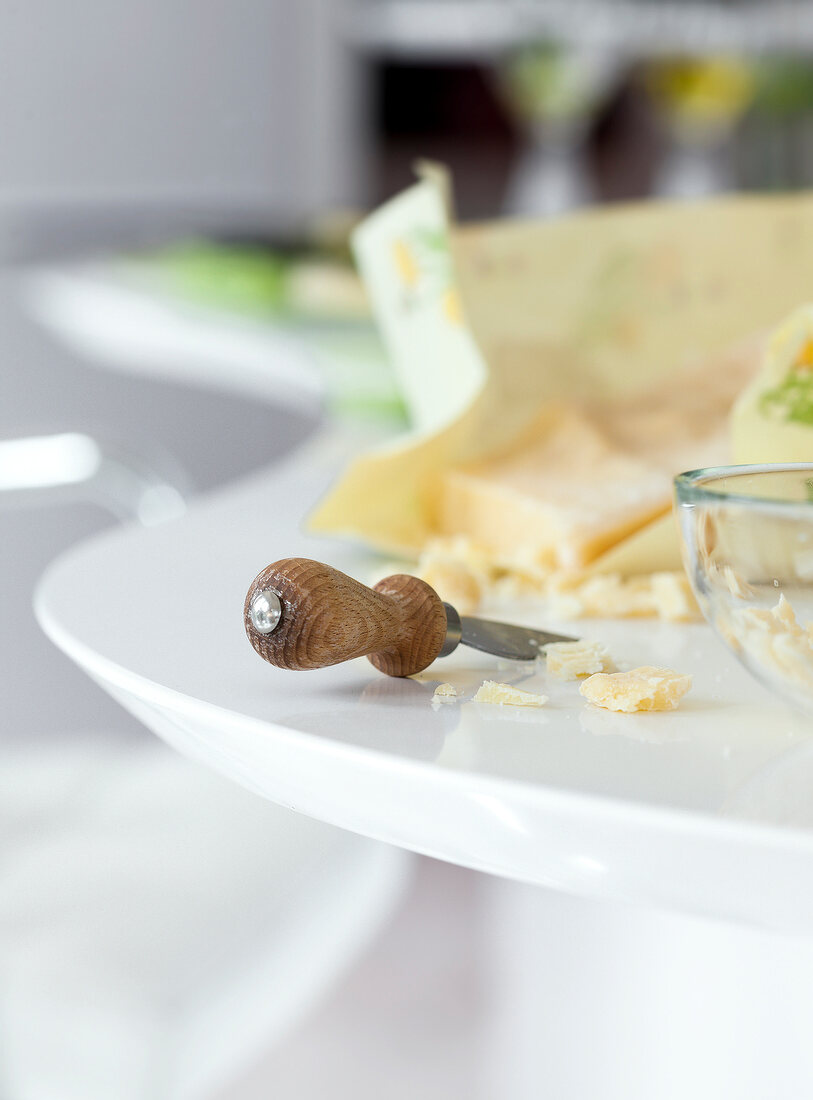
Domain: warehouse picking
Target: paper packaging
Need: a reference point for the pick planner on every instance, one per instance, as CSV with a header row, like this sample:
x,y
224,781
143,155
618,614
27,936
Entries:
x,y
484,323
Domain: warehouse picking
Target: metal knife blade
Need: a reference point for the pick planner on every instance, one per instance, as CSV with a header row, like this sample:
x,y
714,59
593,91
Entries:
x,y
513,643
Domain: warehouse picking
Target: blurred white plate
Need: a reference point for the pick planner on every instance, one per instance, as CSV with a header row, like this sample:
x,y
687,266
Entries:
x,y
118,316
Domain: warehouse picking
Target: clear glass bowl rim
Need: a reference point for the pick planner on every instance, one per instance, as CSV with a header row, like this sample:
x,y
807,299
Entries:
x,y
692,487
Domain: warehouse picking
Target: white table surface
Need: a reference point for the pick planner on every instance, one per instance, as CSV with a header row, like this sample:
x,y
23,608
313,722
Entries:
x,y
705,810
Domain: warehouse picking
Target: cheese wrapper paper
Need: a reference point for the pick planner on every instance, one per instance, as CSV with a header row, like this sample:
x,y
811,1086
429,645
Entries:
x,y
486,323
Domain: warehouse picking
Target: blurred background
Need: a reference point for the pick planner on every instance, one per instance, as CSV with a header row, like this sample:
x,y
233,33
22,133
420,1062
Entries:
x,y
177,301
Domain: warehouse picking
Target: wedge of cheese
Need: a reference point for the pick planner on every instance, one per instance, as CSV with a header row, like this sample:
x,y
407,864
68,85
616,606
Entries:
x,y
655,548
565,491
590,484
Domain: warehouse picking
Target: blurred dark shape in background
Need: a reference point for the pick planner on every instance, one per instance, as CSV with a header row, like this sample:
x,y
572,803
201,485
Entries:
x,y
543,106
755,136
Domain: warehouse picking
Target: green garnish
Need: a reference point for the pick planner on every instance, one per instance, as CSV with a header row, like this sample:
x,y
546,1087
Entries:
x,y
791,400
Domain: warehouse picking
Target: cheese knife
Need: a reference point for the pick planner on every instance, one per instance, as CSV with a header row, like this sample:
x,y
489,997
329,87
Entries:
x,y
301,614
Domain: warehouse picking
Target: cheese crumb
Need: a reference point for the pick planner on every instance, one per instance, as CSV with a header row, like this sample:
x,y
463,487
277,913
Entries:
x,y
608,595
776,641
452,582
465,573
673,598
570,660
737,585
490,691
457,571
803,564
644,688
444,693
785,614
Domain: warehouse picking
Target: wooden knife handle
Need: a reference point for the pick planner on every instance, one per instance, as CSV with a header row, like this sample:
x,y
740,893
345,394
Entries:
x,y
328,617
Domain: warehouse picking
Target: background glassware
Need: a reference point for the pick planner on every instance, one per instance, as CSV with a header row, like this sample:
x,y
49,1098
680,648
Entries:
x,y
554,93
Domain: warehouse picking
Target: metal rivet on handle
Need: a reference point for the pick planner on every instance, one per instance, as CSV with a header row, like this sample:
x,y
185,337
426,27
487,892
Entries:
x,y
265,611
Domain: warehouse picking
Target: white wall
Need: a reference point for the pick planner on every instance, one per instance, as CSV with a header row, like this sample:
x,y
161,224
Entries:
x,y
190,101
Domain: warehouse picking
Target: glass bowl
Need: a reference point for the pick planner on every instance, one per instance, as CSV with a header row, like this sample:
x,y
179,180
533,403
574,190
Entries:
x,y
747,534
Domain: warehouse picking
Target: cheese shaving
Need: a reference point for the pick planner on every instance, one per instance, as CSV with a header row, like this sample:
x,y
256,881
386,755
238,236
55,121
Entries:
x,y
490,691
445,693
570,660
